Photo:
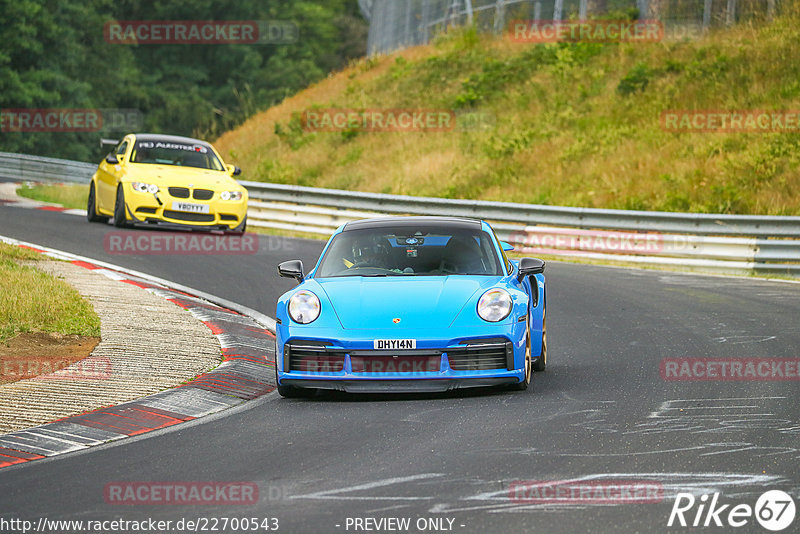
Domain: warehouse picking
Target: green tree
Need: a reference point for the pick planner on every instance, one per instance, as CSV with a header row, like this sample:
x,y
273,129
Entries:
x,y
53,54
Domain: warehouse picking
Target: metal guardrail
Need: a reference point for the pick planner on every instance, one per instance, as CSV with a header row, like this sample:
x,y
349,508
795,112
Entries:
x,y
738,244
37,168
532,214
707,242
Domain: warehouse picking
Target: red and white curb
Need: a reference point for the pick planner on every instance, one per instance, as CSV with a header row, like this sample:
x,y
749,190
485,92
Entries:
x,y
246,372
29,203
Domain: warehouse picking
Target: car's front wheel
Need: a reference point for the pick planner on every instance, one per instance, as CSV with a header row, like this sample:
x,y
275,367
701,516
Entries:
x,y
119,209
91,207
291,392
239,230
541,362
523,385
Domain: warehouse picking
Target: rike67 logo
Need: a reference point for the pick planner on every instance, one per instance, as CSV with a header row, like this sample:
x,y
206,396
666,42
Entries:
x,y
774,510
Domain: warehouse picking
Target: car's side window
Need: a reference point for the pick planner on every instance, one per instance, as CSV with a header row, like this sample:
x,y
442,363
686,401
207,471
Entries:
x,y
121,148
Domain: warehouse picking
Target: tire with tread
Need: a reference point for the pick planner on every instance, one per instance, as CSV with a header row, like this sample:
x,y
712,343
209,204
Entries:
x,y
524,384
239,230
91,207
291,392
119,210
541,362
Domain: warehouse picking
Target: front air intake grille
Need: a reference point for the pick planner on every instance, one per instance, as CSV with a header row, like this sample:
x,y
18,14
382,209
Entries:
x,y
478,356
186,216
179,192
400,363
226,217
146,210
312,357
203,194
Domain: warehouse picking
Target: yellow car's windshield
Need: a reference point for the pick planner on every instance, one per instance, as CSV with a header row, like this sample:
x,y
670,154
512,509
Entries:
x,y
179,154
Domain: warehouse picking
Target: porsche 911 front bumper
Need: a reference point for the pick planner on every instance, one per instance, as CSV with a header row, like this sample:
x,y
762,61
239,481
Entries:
x,y
439,365
433,385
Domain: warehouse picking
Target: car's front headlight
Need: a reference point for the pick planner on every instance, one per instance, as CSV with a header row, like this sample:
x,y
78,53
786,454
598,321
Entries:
x,y
144,188
494,305
304,307
231,195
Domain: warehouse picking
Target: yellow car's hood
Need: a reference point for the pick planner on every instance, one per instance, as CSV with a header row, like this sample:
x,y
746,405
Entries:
x,y
172,175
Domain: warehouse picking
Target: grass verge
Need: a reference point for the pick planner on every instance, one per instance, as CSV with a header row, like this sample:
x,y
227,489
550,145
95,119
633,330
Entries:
x,y
72,196
567,124
32,301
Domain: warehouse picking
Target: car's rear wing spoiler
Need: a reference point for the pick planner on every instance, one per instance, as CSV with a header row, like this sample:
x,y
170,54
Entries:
x,y
110,142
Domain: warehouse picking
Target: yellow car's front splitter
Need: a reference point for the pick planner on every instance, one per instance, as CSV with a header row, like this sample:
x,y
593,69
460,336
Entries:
x,y
164,210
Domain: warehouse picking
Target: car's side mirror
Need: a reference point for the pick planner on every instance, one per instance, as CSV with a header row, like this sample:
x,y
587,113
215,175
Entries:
x,y
234,170
108,142
291,269
112,159
507,247
529,266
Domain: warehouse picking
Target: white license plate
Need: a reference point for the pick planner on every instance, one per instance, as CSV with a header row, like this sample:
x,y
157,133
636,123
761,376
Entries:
x,y
392,344
192,208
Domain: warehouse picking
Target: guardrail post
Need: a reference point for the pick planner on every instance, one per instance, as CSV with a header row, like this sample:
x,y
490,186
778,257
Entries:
x,y
558,8
426,17
407,36
730,13
499,16
644,9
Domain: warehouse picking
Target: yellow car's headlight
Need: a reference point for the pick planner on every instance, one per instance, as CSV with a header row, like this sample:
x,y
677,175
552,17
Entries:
x,y
231,195
144,188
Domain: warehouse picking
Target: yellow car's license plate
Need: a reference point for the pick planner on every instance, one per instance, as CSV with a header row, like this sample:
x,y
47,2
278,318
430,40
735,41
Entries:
x,y
192,208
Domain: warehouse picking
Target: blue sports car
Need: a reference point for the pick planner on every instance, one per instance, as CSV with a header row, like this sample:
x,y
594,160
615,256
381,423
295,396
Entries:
x,y
411,304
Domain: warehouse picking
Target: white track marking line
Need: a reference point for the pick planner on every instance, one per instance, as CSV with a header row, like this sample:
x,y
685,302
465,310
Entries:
x,y
331,494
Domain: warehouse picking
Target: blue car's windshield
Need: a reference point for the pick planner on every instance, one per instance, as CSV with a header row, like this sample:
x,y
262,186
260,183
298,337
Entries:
x,y
410,252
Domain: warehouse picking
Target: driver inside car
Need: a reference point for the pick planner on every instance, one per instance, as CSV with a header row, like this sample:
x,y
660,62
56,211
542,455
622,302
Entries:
x,y
370,252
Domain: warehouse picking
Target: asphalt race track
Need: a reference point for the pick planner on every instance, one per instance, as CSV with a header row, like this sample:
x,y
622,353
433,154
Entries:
x,y
602,410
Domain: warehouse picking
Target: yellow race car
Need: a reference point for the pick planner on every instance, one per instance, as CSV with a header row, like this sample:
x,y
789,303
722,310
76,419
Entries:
x,y
167,180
